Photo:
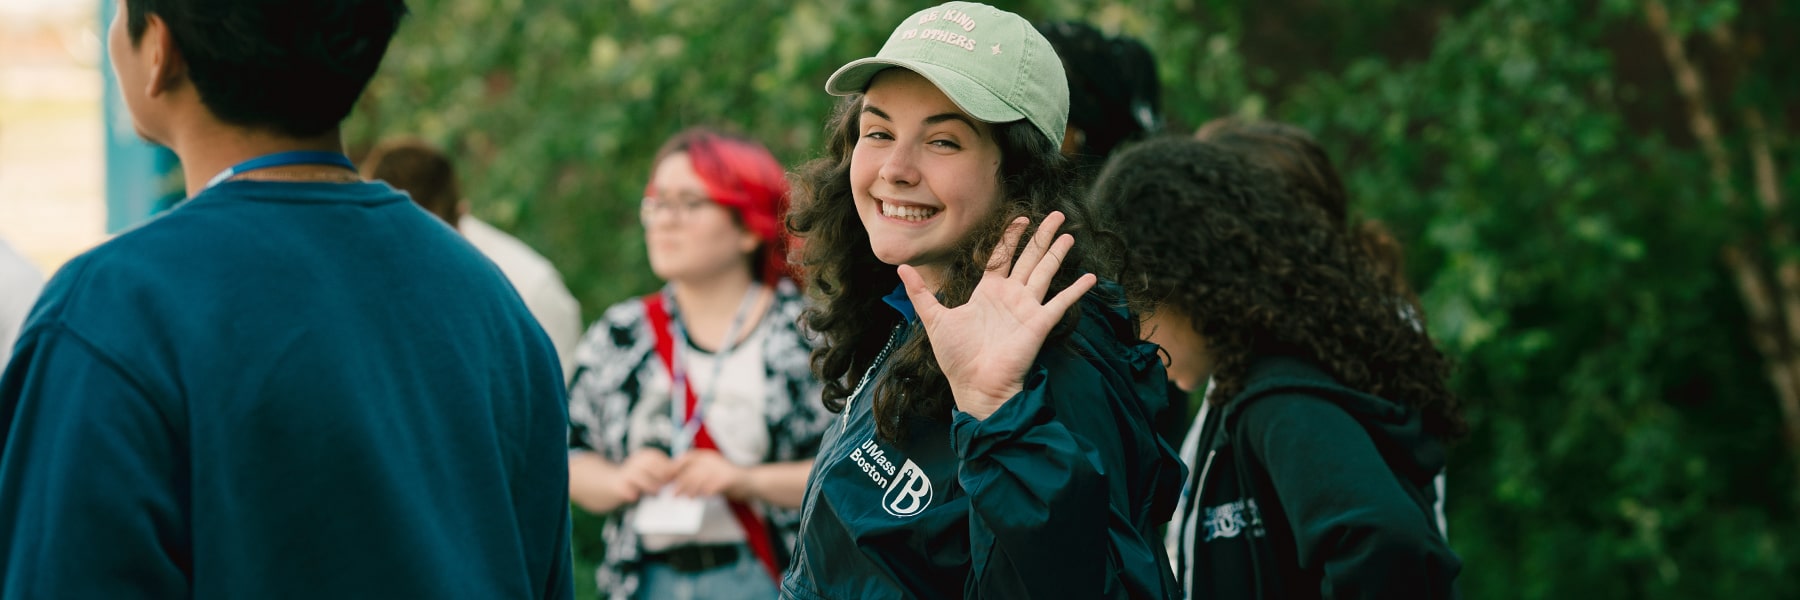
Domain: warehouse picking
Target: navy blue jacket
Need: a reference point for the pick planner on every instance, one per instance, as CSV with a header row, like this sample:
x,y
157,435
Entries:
x,y
284,390
1309,489
1058,494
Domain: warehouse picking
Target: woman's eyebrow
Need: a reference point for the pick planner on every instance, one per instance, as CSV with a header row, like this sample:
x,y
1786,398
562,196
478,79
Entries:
x,y
935,119
931,120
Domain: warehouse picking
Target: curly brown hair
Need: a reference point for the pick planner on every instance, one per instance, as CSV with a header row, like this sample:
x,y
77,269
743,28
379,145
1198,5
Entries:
x,y
847,281
1291,152
1262,272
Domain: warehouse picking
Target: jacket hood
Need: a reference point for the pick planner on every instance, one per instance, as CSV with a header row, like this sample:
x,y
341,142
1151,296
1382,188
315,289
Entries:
x,y
1108,334
1107,320
1397,430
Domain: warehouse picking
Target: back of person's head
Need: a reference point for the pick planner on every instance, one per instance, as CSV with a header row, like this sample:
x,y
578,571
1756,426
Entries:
x,y
1287,150
294,67
1293,154
420,170
741,174
1262,272
1114,94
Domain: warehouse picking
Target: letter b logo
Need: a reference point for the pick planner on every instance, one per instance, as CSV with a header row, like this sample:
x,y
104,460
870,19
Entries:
x,y
910,492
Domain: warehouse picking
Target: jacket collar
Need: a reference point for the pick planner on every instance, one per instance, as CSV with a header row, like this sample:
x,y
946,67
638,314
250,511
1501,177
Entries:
x,y
901,303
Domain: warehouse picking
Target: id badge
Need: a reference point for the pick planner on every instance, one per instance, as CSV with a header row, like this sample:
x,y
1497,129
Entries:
x,y
668,514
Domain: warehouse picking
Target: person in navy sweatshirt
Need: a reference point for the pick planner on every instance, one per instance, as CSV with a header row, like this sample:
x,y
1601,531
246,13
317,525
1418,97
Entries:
x,y
294,384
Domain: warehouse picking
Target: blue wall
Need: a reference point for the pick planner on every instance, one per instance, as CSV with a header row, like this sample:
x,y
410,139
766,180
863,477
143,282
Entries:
x,y
141,177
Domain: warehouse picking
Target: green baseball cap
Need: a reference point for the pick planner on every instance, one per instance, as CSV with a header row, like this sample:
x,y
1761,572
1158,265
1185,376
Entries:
x,y
993,64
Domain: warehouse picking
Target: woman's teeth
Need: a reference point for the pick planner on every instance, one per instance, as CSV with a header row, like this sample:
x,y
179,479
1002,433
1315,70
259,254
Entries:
x,y
907,213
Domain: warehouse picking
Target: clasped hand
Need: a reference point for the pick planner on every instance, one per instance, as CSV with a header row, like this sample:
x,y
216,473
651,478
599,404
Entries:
x,y
697,473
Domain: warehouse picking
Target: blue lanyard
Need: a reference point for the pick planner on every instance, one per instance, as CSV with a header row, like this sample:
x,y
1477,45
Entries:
x,y
688,425
282,159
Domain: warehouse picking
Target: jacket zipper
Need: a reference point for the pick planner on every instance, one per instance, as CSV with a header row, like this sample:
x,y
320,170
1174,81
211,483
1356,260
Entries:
x,y
806,510
1192,519
1200,489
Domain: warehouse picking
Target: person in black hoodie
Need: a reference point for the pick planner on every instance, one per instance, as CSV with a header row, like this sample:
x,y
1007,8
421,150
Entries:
x,y
1293,155
995,402
1329,414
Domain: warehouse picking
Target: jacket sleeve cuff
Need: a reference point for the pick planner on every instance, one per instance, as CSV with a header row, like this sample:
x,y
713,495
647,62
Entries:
x,y
973,438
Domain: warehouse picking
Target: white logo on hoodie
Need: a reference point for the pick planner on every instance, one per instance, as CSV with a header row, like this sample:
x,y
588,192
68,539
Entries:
x,y
1232,519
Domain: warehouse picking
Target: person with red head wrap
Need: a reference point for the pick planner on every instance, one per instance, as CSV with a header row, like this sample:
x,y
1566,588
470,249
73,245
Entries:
x,y
693,412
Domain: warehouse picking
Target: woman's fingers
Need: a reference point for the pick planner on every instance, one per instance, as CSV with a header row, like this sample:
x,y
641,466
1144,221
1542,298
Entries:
x,y
1035,270
1038,283
1066,299
1026,268
659,470
924,301
629,492
1003,253
701,476
645,483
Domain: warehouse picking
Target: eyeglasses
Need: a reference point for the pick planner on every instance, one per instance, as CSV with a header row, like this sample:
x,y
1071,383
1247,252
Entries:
x,y
679,207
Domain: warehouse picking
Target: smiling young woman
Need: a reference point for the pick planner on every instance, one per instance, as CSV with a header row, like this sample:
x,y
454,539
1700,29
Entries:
x,y
924,174
991,442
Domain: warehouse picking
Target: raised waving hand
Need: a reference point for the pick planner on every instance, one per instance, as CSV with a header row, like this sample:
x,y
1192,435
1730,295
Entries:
x,y
985,346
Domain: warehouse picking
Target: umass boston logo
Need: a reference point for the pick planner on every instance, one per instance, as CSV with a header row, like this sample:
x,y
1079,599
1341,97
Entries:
x,y
908,489
909,494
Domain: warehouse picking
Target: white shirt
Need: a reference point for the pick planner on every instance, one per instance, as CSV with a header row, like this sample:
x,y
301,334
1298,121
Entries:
x,y
20,284
538,283
734,418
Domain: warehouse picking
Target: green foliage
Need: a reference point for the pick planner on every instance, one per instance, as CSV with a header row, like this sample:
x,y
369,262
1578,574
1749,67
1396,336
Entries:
x,y
555,111
1560,220
1625,442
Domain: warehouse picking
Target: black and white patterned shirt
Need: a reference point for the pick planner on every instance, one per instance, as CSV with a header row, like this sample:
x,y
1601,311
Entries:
x,y
619,402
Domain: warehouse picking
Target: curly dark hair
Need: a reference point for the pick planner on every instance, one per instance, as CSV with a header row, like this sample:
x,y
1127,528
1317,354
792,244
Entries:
x,y
1291,152
1264,272
848,282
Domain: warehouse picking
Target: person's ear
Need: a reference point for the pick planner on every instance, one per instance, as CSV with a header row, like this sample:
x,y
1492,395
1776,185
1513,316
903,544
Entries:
x,y
1073,138
168,69
747,240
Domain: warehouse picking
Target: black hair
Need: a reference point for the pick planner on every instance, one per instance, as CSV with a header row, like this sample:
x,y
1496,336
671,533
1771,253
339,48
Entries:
x,y
295,67
1114,94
